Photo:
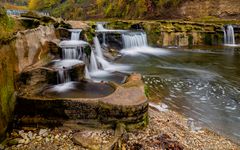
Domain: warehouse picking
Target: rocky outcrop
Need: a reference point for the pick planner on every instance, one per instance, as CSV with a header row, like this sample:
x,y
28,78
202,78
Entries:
x,y
146,9
229,9
25,49
127,105
176,33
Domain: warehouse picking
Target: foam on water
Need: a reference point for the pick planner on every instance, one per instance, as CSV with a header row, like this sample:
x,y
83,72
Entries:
x,y
64,87
135,51
161,107
73,43
66,63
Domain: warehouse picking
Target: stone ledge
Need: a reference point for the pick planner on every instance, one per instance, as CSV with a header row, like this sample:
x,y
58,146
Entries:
x,y
127,104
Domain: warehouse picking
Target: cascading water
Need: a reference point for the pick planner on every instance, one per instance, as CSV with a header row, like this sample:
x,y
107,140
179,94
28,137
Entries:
x,y
99,54
229,36
75,34
101,27
72,50
134,39
70,53
93,63
63,76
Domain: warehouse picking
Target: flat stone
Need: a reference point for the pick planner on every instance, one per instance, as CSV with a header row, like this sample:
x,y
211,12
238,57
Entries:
x,y
126,97
43,131
93,139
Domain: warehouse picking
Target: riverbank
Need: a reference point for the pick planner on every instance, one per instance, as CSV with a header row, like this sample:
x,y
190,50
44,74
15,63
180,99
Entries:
x,y
166,129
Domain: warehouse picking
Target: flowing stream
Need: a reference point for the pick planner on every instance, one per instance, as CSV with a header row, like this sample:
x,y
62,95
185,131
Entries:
x,y
202,84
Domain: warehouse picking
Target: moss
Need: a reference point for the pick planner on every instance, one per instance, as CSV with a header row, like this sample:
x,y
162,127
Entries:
x,y
146,91
208,39
7,89
141,124
190,41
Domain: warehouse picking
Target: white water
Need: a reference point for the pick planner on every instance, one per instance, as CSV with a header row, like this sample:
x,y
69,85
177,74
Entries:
x,y
134,39
100,26
229,36
98,48
134,51
87,74
73,43
66,63
64,87
93,62
99,55
75,34
70,53
63,76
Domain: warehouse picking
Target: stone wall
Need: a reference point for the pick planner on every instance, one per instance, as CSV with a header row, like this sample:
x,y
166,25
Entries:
x,y
25,49
176,33
220,8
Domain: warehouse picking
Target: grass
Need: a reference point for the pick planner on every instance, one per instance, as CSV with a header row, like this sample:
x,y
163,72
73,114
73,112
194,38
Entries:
x,y
8,27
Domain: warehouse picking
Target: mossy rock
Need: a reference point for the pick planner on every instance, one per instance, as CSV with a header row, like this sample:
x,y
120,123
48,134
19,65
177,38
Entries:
x,y
2,11
47,19
62,24
31,14
30,23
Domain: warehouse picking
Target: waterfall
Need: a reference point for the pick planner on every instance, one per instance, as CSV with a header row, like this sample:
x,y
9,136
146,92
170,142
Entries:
x,y
100,26
98,48
70,53
93,63
229,36
99,54
63,76
136,39
87,75
75,34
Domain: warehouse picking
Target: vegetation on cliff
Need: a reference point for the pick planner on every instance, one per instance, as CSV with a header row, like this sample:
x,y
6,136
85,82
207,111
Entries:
x,y
8,25
138,9
104,8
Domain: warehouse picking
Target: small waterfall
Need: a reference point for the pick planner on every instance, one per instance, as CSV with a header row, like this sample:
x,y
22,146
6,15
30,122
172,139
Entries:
x,y
87,75
75,34
93,63
134,39
229,36
98,47
99,53
100,26
63,76
70,53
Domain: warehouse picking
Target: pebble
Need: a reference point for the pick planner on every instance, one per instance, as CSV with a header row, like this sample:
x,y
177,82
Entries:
x,y
43,132
30,135
21,141
1,146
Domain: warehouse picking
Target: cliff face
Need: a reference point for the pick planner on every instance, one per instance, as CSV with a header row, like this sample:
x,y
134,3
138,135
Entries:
x,y
23,50
146,9
229,9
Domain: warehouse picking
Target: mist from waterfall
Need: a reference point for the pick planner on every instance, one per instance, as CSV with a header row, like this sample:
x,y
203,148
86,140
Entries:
x,y
229,36
134,39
